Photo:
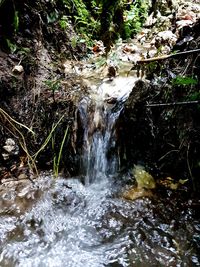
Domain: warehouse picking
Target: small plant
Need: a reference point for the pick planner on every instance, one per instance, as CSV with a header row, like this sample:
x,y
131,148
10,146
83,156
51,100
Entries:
x,y
53,85
51,137
194,96
64,24
74,40
56,161
16,21
12,47
52,17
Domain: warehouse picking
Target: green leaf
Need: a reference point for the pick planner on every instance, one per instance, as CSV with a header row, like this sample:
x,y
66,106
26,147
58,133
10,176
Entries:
x,y
194,96
53,85
185,80
16,21
12,47
52,17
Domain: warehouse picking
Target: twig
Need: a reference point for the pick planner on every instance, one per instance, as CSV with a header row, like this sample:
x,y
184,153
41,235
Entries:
x,y
146,60
173,104
47,139
169,152
189,168
5,114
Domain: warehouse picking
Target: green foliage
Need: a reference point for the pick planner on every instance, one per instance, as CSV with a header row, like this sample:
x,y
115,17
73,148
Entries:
x,y
101,61
24,51
152,66
184,81
64,24
53,85
56,161
94,19
83,17
194,96
12,47
74,40
135,17
16,21
53,16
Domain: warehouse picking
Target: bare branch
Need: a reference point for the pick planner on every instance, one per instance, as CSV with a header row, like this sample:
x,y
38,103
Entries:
x,y
147,60
173,104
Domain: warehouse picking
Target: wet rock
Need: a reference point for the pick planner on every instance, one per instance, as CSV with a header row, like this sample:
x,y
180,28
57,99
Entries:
x,y
111,100
145,182
135,193
11,148
5,156
10,145
183,23
112,71
22,176
143,178
151,20
139,91
129,48
98,48
17,196
165,38
18,69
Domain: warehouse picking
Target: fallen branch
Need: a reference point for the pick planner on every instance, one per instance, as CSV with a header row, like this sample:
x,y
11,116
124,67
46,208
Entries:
x,y
173,104
189,168
147,60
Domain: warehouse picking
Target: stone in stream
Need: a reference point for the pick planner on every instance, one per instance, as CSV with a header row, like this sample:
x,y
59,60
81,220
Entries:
x,y
145,182
134,193
111,100
112,72
143,178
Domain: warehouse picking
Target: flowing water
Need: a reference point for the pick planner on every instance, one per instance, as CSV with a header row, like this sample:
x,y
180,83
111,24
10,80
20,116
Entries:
x,y
67,223
98,117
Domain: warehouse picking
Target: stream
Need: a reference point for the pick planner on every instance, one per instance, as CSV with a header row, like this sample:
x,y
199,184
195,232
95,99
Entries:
x,y
85,221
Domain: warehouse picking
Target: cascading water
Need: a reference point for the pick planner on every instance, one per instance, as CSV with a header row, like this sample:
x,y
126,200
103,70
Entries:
x,y
98,120
68,224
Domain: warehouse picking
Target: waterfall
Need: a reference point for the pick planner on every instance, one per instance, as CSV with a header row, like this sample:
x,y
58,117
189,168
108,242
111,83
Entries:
x,y
98,115
61,222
